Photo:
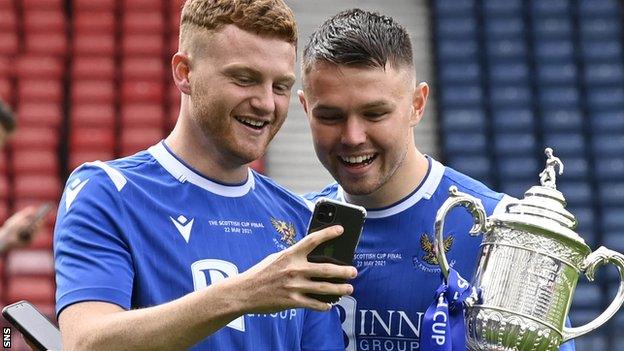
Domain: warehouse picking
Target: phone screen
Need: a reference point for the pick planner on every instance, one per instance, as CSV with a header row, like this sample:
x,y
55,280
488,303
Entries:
x,y
35,327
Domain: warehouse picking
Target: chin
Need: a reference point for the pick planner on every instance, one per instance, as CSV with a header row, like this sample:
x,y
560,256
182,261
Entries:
x,y
358,188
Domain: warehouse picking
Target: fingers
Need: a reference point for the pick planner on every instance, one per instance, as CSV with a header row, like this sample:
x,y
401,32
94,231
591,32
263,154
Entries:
x,y
313,240
328,270
326,288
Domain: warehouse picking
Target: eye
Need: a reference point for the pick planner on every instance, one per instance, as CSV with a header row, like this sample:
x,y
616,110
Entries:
x,y
244,80
375,114
282,89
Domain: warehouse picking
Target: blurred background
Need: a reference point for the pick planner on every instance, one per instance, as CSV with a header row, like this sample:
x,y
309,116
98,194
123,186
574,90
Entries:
x,y
90,79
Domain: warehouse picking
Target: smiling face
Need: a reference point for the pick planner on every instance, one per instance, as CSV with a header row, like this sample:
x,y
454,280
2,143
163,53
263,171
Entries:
x,y
239,86
361,121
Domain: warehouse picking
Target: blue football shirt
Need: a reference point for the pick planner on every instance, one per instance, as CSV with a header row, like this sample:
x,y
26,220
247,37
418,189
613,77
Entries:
x,y
147,229
398,271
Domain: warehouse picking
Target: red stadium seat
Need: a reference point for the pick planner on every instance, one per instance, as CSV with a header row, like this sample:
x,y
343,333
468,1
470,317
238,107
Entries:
x,y
94,44
35,162
93,5
8,43
6,90
39,114
141,5
37,21
133,140
6,67
35,137
3,163
33,289
142,91
93,68
4,213
46,44
4,188
8,20
37,187
92,139
41,66
43,238
44,90
42,4
29,262
143,22
141,115
92,115
94,22
93,91
76,158
142,68
143,45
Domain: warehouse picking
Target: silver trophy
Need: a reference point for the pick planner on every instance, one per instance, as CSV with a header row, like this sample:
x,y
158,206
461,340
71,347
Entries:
x,y
529,263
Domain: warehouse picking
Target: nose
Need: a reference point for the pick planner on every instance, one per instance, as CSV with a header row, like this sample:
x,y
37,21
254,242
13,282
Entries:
x,y
353,132
263,101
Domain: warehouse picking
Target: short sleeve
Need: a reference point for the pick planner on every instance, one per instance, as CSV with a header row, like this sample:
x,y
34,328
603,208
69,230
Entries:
x,y
322,331
91,256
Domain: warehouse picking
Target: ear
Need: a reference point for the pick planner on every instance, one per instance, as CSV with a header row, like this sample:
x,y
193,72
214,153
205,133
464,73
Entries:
x,y
302,100
181,68
419,101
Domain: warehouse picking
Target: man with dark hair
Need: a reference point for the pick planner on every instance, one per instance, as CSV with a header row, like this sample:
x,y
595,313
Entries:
x,y
362,102
19,229
183,244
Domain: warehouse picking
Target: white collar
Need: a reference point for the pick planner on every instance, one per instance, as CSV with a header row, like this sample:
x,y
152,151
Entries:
x,y
183,173
425,190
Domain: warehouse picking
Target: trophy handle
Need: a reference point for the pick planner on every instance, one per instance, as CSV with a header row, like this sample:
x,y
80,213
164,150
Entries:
x,y
476,209
600,257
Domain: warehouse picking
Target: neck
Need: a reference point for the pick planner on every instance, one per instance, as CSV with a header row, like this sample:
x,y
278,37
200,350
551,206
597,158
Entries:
x,y
188,143
403,182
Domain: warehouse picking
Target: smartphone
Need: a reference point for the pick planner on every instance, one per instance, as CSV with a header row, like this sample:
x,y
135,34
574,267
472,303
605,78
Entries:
x,y
339,250
35,327
41,213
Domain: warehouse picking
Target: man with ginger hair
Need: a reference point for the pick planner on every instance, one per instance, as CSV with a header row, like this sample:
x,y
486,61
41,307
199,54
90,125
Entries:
x,y
182,245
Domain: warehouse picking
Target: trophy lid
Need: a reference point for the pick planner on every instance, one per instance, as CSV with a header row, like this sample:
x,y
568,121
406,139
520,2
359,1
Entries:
x,y
543,206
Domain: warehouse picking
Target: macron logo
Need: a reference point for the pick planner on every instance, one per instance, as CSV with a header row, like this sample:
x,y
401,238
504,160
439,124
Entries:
x,y
72,191
184,226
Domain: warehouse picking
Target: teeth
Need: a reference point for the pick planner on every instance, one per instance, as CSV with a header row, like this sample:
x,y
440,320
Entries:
x,y
252,122
356,159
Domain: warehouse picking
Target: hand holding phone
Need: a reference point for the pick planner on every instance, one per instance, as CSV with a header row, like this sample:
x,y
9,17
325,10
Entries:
x,y
36,328
27,233
339,250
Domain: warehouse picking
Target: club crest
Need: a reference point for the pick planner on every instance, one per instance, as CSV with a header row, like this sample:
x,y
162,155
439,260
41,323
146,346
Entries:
x,y
286,230
428,247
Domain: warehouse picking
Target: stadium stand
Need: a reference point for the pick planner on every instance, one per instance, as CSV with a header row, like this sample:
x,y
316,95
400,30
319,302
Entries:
x,y
530,74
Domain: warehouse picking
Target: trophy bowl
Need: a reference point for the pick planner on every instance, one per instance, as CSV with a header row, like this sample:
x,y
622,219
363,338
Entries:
x,y
529,263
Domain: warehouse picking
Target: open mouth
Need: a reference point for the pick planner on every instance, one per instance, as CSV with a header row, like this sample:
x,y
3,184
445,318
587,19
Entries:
x,y
252,123
358,161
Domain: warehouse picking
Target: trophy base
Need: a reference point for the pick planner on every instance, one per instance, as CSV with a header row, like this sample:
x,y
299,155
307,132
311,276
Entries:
x,y
496,330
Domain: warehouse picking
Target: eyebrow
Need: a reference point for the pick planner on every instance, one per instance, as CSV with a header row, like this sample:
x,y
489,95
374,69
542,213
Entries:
x,y
376,104
239,68
324,108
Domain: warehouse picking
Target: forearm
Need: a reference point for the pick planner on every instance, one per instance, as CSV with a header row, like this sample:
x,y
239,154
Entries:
x,y
178,324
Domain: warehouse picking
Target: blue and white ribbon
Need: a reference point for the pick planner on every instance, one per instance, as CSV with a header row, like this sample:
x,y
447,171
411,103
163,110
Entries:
x,y
443,325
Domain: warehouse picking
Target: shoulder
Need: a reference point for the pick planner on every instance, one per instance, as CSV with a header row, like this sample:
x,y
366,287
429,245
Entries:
x,y
330,191
490,198
103,180
280,193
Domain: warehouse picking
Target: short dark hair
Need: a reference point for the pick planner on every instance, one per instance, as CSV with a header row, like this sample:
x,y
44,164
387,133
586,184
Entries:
x,y
359,38
7,121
